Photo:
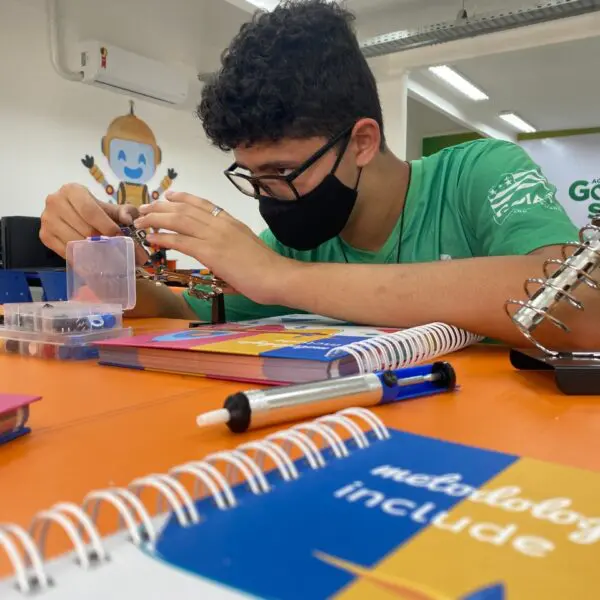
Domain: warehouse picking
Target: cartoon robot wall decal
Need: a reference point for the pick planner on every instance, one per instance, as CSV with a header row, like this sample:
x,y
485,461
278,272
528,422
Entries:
x,y
133,155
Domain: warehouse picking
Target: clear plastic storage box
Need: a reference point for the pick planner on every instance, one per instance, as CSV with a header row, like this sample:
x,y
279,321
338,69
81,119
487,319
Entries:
x,y
100,286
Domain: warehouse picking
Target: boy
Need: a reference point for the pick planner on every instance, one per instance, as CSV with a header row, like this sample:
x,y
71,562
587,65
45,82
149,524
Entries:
x,y
353,231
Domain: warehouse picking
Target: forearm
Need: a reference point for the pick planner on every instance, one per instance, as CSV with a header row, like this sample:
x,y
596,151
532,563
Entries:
x,y
468,293
159,301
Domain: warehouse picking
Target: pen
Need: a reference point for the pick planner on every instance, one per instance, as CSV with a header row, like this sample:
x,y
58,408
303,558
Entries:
x,y
251,409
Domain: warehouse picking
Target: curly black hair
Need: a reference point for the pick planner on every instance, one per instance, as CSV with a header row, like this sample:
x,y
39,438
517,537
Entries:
x,y
294,72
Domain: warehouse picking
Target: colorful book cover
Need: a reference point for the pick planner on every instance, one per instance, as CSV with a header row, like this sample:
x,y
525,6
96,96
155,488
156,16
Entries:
x,y
303,337
410,518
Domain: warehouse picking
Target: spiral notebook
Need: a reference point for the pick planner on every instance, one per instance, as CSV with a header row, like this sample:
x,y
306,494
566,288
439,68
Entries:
x,y
340,508
284,350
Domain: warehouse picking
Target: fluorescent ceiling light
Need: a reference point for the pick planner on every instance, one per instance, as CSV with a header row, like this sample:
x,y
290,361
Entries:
x,y
264,4
457,81
517,122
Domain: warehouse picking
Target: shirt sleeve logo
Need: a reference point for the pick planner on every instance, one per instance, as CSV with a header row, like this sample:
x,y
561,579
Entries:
x,y
519,192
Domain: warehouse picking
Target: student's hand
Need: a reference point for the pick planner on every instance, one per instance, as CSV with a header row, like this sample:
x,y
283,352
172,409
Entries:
x,y
223,244
73,213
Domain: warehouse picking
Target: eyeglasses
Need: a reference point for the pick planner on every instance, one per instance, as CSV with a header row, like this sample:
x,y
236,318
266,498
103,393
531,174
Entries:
x,y
281,187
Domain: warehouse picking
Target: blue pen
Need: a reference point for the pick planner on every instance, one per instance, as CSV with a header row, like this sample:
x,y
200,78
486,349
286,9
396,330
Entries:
x,y
259,408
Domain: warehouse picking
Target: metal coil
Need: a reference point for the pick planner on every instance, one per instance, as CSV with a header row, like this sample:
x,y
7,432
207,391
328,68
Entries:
x,y
558,286
339,434
406,347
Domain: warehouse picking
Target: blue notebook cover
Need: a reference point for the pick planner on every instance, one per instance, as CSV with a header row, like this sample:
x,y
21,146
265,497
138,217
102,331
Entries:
x,y
403,519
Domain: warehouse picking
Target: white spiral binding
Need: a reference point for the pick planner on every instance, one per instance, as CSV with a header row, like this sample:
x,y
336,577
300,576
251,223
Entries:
x,y
208,469
329,436
39,579
281,459
408,347
347,424
301,440
79,522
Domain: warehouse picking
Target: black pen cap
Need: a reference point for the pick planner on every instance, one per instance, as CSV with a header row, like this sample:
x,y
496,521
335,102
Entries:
x,y
240,413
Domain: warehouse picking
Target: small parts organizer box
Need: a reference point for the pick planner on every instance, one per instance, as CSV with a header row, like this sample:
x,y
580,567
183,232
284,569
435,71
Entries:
x,y
100,286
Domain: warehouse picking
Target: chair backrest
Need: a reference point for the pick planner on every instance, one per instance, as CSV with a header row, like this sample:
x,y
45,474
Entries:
x,y
21,247
14,287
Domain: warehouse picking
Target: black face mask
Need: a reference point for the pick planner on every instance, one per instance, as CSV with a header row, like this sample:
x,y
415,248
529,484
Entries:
x,y
312,219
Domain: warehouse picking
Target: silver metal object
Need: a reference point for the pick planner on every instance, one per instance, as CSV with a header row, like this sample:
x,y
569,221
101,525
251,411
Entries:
x,y
572,271
304,400
216,210
474,25
162,275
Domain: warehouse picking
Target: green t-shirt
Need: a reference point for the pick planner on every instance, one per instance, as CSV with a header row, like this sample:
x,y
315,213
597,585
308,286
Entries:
x,y
480,198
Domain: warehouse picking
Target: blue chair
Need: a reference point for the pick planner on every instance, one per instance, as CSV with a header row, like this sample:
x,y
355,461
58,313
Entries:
x,y
14,287
54,285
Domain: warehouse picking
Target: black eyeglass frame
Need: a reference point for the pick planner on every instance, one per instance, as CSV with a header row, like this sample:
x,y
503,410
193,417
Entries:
x,y
289,178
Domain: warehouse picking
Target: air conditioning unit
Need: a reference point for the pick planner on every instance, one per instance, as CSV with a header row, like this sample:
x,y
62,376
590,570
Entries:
x,y
124,72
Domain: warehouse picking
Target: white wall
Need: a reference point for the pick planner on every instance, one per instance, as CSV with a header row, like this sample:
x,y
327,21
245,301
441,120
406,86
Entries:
x,y
48,124
414,132
424,121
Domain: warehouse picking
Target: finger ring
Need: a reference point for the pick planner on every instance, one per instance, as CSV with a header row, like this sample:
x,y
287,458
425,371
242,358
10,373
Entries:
x,y
216,210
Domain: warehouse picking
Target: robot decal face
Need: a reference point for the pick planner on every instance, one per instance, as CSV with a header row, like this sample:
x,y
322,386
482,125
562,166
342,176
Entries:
x,y
133,155
131,161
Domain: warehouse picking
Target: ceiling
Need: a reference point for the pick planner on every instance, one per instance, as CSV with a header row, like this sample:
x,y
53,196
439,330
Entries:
x,y
358,6
363,6
551,86
379,17
190,32
554,86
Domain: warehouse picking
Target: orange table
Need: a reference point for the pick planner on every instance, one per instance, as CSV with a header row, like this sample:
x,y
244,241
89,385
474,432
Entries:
x,y
99,426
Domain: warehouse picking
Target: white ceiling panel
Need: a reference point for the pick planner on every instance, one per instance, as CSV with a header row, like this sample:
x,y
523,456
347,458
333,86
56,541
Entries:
x,y
553,87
